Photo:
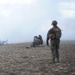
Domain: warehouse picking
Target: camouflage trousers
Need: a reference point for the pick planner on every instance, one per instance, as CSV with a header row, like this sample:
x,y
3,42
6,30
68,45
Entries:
x,y
35,43
54,50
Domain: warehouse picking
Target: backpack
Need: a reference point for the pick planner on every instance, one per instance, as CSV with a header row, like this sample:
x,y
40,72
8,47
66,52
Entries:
x,y
57,33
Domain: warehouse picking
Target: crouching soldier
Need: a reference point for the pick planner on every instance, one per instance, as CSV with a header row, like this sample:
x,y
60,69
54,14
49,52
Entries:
x,y
37,41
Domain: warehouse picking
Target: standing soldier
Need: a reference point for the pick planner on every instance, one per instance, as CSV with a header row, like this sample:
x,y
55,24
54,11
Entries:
x,y
54,34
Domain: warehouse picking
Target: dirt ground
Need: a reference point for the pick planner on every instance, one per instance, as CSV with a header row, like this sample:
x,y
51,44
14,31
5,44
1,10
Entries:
x,y
16,59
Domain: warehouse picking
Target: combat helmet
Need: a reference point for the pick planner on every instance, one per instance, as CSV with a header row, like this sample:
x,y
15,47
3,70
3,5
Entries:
x,y
54,22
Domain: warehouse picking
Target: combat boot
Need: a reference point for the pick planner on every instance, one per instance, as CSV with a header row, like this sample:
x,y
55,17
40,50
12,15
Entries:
x,y
53,59
58,60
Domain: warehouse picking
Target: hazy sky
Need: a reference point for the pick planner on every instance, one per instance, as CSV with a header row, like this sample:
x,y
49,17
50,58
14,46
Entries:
x,y
21,20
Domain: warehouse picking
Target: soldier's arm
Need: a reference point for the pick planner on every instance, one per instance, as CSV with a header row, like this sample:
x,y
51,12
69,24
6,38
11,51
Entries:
x,y
47,38
60,32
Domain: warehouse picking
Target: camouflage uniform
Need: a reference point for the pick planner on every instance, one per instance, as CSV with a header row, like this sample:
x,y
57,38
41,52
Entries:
x,y
54,44
40,38
36,41
54,49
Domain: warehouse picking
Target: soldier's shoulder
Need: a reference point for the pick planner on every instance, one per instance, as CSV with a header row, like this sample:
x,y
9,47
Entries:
x,y
59,28
51,28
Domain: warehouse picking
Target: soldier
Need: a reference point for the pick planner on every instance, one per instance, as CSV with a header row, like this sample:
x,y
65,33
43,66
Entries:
x,y
54,34
41,40
37,41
